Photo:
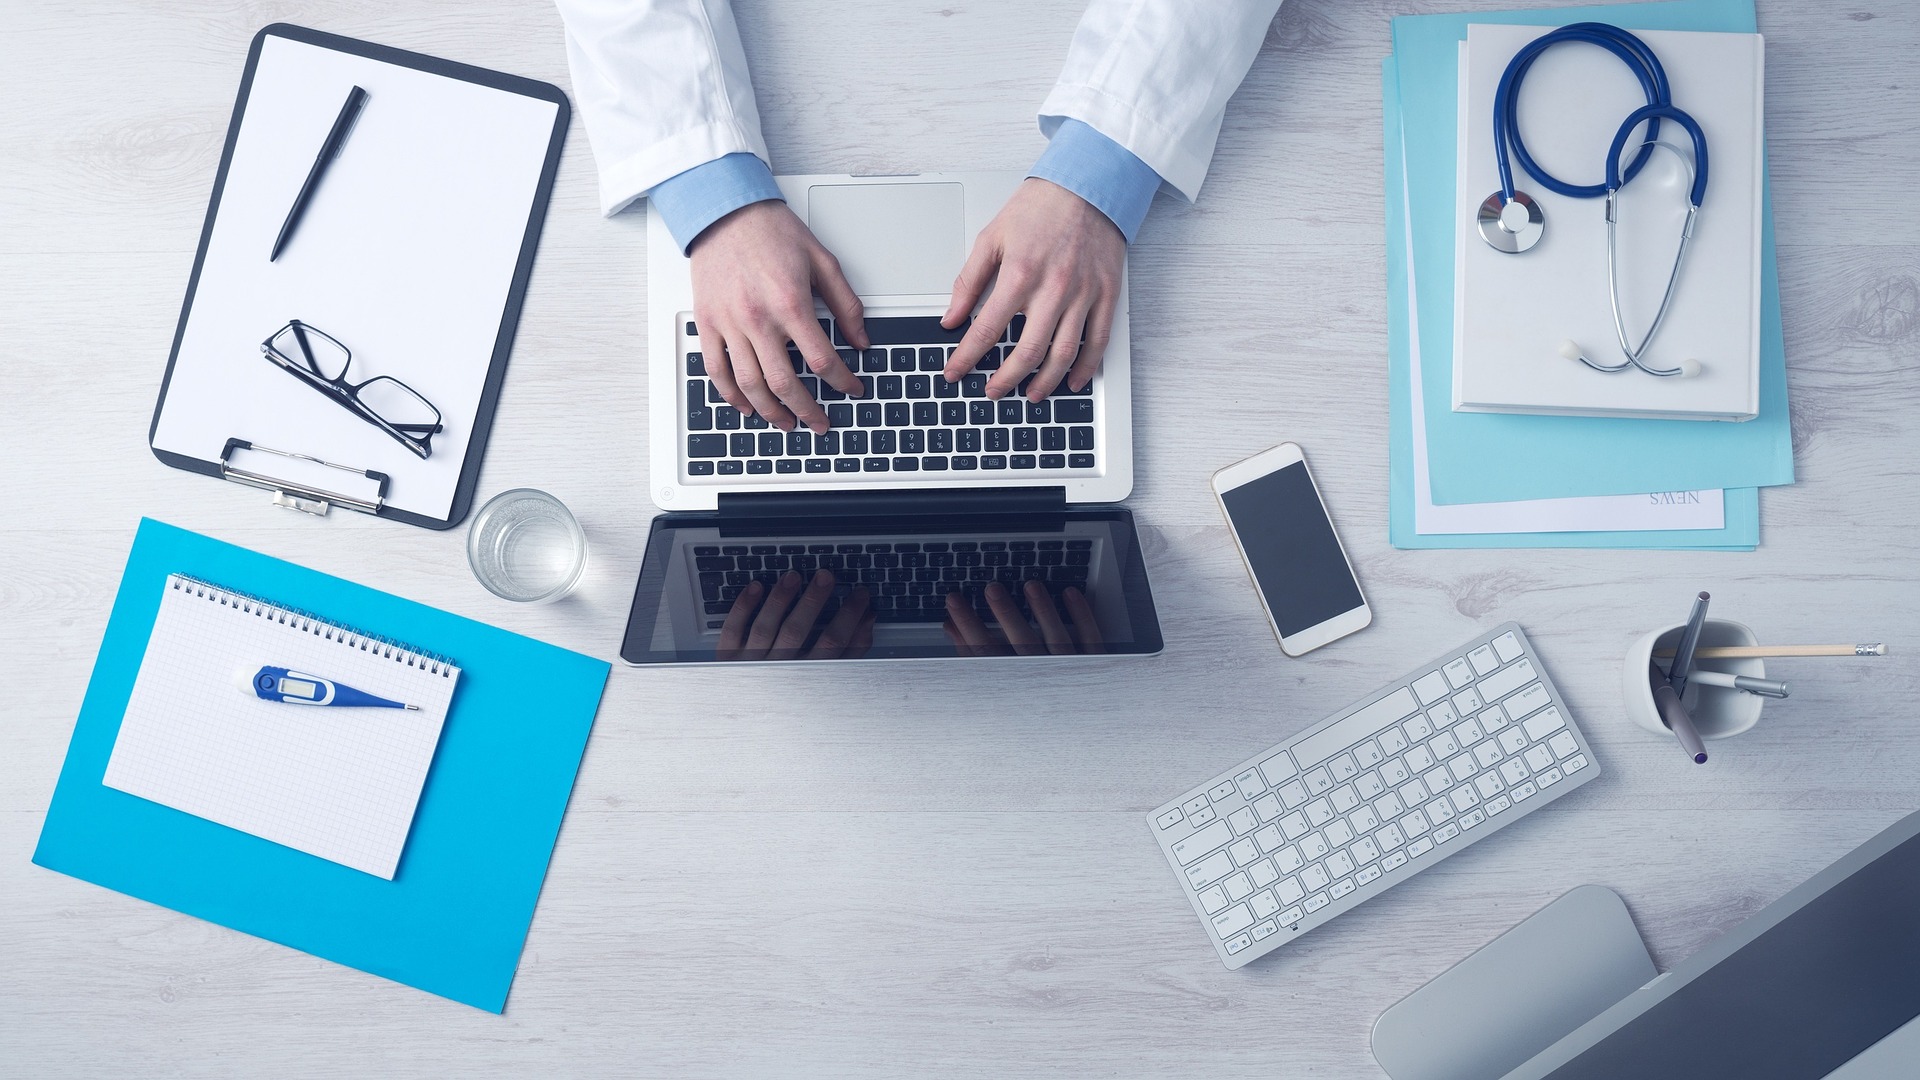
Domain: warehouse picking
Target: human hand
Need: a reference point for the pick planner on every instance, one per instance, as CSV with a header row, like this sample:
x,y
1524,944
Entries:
x,y
971,637
754,275
778,629
1051,254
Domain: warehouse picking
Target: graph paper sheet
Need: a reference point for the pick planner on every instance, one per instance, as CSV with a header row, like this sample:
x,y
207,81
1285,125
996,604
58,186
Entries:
x,y
339,783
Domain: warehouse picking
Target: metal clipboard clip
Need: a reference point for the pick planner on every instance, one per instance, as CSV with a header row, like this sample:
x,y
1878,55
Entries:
x,y
297,496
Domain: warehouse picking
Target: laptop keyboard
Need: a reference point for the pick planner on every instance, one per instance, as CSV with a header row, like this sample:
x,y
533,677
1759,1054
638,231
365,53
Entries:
x,y
907,581
912,420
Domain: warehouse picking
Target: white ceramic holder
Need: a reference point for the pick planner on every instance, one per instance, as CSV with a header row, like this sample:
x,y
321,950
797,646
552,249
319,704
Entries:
x,y
1717,712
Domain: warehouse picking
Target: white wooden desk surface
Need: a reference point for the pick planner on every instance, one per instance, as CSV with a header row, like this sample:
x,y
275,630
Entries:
x,y
935,870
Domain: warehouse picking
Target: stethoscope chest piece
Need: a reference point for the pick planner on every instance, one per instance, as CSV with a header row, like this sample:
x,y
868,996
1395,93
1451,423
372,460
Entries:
x,y
1511,225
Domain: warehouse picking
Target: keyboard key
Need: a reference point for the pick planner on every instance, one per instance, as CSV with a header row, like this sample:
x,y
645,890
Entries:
x,y
731,467
1319,781
1507,646
1471,818
1233,920
1169,819
1419,847
706,446
759,466
1202,842
1243,821
1341,888
1488,784
1238,887
1445,833
1394,861
1512,740
911,330
1504,682
1562,744
1575,763
1314,877
1295,825
1550,778
1319,812
1513,770
1538,758
1483,660
1526,702
1073,411
1543,723
1431,687
699,468
1278,769
1344,768
1220,791
1316,902
1079,438
1250,784
1214,900
1466,701
1459,672
1265,930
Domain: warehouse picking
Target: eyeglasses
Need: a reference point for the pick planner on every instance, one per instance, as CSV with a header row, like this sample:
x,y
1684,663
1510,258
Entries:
x,y
321,362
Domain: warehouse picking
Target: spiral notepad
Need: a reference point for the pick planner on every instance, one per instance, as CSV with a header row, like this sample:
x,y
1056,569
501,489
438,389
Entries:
x,y
338,783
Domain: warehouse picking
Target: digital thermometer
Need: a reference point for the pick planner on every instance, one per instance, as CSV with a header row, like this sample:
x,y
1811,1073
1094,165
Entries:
x,y
298,688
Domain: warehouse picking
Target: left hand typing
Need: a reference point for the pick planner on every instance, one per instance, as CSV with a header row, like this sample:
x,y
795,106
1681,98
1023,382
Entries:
x,y
1052,255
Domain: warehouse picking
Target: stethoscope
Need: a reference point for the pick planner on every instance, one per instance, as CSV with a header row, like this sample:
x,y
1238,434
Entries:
x,y
1511,221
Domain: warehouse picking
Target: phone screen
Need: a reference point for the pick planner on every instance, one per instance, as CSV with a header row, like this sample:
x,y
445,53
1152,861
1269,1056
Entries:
x,y
1291,547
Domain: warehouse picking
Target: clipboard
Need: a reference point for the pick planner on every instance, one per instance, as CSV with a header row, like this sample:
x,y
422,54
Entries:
x,y
414,253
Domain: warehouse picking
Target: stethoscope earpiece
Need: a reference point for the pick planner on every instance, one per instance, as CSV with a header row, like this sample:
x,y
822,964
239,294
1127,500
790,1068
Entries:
x,y
1685,369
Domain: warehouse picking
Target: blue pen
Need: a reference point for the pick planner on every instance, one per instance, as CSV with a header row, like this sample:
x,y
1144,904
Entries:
x,y
298,688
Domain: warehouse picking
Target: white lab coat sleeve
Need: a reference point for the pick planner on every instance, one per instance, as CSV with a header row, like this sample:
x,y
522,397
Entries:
x,y
1155,76
662,86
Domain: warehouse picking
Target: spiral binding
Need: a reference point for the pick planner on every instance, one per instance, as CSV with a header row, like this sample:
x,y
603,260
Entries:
x,y
374,644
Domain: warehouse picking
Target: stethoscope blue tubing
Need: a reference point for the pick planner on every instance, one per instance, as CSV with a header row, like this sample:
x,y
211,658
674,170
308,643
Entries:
x,y
1640,59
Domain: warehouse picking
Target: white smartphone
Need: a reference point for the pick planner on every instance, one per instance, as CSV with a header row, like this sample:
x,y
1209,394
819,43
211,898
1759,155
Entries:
x,y
1285,536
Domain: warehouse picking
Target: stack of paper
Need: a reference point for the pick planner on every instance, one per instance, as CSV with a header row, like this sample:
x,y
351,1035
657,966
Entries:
x,y
1463,479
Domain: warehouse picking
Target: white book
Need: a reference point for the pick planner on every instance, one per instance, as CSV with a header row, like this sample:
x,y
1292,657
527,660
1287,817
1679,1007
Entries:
x,y
1513,311
338,783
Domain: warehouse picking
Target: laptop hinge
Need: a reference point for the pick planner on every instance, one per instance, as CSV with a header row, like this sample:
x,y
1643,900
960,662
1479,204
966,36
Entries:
x,y
915,502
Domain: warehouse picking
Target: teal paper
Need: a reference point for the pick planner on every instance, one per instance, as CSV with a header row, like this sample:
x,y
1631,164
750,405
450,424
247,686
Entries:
x,y
1493,457
454,918
1742,531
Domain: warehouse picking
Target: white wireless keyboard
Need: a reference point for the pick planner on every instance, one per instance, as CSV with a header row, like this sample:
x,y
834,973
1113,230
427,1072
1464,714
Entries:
x,y
1376,793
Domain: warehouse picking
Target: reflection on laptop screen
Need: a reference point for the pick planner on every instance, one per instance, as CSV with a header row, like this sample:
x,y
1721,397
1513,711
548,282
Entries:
x,y
715,591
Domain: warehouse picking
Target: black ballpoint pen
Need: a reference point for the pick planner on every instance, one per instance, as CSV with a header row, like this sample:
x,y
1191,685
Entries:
x,y
342,124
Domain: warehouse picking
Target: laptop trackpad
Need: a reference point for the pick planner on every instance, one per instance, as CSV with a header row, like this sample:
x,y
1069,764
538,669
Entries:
x,y
892,239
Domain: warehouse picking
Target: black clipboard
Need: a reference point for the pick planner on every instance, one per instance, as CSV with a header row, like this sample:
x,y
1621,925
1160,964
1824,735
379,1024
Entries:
x,y
305,495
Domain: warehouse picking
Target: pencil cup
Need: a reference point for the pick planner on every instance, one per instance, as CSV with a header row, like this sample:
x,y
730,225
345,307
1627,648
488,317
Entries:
x,y
1717,712
525,546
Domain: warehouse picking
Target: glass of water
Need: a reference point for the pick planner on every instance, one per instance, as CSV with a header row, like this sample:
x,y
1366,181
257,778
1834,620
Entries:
x,y
525,546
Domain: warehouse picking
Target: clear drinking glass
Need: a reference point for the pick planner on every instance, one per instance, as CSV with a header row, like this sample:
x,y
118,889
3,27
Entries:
x,y
525,546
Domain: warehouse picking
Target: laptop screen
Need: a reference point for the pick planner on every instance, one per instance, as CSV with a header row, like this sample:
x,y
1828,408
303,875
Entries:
x,y
719,589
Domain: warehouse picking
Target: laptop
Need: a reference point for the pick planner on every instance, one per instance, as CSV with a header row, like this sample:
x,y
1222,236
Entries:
x,y
930,521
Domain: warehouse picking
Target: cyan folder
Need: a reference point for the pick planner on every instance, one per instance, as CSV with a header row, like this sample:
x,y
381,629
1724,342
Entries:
x,y
1742,529
1492,457
454,918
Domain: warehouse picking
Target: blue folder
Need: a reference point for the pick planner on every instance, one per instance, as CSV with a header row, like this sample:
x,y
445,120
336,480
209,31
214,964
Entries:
x,y
454,918
1742,529
1492,457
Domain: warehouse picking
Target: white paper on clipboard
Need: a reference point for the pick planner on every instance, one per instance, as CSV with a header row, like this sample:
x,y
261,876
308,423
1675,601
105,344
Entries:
x,y
406,254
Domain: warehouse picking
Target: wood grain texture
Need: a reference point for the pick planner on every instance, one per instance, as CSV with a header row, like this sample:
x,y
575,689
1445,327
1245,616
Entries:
x,y
941,871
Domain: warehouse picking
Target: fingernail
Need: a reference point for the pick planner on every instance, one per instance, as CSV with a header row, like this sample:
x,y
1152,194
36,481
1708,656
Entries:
x,y
821,577
791,575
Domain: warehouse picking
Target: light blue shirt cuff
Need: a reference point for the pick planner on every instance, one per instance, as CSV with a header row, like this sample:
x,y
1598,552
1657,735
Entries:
x,y
695,199
1100,171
